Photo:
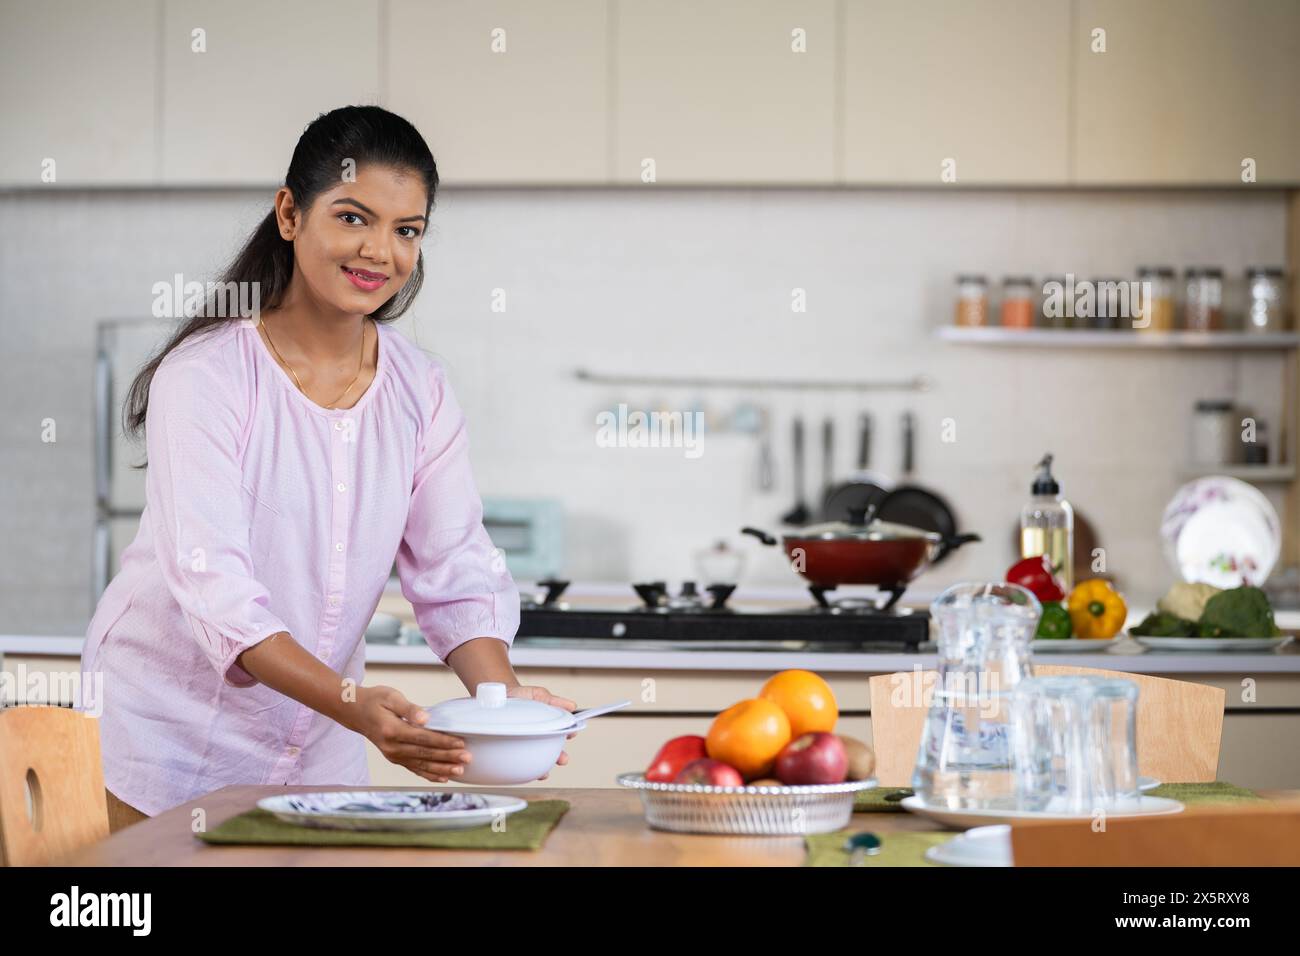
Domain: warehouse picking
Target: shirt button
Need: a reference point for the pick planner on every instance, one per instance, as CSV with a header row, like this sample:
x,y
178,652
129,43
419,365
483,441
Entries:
x,y
292,751
342,487
338,425
334,601
339,546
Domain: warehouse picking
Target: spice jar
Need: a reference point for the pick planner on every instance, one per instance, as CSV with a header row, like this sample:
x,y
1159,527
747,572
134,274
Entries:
x,y
1018,304
972,300
1203,310
1214,437
1265,300
1109,298
1157,284
1052,312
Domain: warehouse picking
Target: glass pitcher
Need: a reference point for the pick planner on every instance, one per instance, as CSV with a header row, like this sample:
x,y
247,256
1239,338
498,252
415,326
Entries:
x,y
966,759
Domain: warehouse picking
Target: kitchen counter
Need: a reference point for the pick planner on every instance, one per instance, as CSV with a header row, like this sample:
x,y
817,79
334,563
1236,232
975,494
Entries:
x,y
627,655
678,690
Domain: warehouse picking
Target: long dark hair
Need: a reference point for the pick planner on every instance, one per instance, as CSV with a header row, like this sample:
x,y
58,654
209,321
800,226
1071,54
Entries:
x,y
360,134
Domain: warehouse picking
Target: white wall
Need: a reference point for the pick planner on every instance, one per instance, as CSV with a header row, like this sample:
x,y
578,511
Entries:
x,y
647,281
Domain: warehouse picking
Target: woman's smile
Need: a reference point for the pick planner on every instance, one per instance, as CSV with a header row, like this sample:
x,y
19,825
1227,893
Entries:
x,y
365,280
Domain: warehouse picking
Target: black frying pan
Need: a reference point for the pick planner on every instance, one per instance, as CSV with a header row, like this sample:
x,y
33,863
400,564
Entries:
x,y
864,489
915,505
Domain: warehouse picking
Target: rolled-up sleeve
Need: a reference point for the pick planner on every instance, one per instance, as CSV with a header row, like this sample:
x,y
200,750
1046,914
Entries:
x,y
454,577
194,492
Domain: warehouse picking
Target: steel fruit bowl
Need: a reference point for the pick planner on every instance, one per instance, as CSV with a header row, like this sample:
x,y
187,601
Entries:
x,y
755,811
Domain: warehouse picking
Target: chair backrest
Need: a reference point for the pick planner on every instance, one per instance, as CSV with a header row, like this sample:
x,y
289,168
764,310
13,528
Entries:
x,y
1179,724
54,753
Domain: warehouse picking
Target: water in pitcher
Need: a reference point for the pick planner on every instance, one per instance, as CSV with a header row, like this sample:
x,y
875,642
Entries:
x,y
965,759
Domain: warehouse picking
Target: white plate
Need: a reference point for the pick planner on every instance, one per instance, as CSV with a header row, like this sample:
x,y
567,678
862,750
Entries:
x,y
389,809
1222,531
965,819
982,846
1214,645
1073,645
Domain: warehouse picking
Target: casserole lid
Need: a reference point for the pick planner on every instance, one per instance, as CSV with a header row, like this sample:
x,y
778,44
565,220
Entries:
x,y
858,528
490,711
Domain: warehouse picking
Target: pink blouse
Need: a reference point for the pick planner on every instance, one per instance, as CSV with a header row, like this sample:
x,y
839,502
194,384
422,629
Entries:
x,y
266,512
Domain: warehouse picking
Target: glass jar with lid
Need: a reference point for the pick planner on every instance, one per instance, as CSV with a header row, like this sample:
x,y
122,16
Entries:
x,y
1108,305
972,300
1266,304
1052,311
1203,301
1214,435
1018,304
1157,293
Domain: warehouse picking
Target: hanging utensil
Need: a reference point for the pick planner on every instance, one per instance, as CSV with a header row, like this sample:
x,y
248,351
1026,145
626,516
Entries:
x,y
912,504
862,489
800,513
828,457
766,476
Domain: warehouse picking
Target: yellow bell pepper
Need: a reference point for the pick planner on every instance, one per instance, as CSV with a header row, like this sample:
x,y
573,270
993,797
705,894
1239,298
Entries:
x,y
1096,609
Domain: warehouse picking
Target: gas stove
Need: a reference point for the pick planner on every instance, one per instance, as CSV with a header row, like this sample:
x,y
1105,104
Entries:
x,y
704,617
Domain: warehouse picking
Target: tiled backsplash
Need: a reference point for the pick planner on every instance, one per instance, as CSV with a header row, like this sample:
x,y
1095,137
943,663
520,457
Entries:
x,y
674,283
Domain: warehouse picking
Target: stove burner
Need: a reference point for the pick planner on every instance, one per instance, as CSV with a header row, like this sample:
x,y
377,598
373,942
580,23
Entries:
x,y
554,589
856,605
655,597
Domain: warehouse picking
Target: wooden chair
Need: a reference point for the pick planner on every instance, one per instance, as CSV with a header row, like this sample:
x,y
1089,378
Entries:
x,y
1237,835
54,752
1179,725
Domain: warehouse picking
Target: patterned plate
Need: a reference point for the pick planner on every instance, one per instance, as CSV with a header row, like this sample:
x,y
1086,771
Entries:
x,y
1222,531
391,809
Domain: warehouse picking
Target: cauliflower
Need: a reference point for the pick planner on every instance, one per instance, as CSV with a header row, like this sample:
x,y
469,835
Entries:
x,y
1187,600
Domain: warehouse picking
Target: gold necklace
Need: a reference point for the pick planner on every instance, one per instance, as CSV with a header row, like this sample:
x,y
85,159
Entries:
x,y
360,368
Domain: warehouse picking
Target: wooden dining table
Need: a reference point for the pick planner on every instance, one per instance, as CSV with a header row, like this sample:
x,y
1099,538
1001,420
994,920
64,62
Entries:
x,y
603,827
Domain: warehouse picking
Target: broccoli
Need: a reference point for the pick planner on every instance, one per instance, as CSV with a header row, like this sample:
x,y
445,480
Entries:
x,y
1240,612
1162,624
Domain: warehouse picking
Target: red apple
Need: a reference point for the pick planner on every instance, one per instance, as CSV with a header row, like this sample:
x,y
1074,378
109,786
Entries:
x,y
673,756
712,772
818,757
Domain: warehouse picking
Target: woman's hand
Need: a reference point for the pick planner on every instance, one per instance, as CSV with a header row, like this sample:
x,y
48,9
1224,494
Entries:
x,y
396,726
546,697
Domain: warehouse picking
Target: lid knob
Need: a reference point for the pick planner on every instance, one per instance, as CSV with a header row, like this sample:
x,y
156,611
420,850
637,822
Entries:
x,y
491,694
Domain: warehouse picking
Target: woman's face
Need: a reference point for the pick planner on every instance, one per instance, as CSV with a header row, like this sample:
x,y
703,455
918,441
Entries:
x,y
360,241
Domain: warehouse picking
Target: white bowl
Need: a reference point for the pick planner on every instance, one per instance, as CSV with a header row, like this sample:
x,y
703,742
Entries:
x,y
510,740
502,760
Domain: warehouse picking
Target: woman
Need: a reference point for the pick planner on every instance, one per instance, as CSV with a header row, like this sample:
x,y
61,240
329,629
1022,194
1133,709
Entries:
x,y
291,460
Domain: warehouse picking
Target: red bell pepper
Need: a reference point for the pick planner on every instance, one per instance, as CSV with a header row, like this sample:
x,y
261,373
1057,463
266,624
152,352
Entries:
x,y
1037,576
673,756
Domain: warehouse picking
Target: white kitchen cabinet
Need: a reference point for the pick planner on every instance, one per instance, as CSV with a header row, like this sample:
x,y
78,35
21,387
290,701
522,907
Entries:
x,y
953,92
505,91
80,81
718,92
233,113
1186,91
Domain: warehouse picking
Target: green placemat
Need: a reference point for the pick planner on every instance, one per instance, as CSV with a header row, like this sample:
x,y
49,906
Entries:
x,y
896,849
881,800
525,830
1217,792
908,848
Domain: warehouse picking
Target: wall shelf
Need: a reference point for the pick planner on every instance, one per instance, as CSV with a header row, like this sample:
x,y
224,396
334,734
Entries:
x,y
1257,474
1105,339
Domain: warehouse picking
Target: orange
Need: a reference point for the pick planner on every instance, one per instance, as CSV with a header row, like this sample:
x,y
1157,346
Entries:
x,y
748,736
806,699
